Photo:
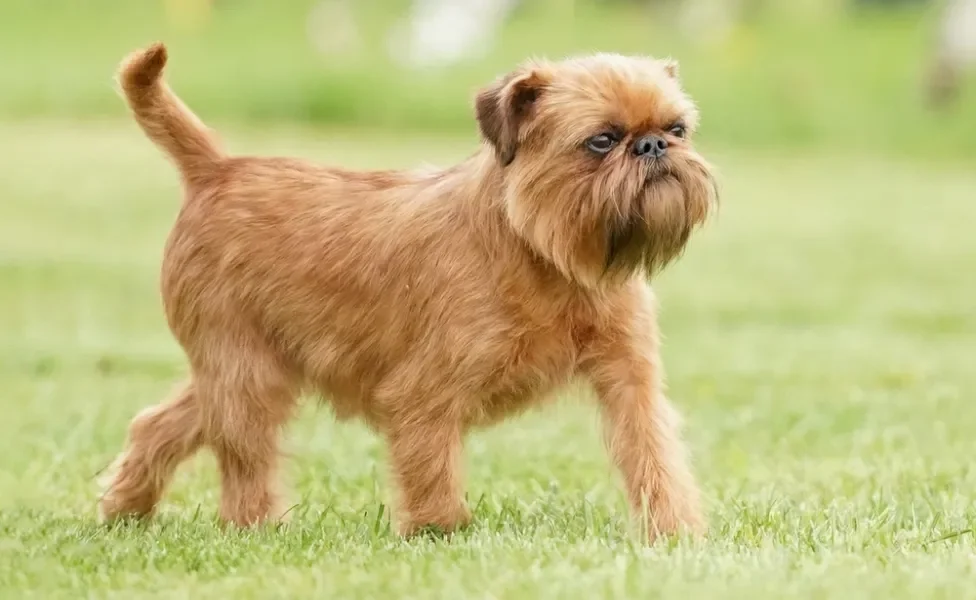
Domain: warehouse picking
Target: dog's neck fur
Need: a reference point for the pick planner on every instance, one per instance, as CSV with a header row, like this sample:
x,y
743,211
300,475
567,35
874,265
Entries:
x,y
479,197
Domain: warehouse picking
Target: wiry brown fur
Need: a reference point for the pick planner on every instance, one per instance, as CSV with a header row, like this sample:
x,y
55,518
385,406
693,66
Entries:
x,y
425,303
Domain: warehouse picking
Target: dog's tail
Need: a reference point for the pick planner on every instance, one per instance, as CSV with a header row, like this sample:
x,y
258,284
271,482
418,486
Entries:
x,y
163,117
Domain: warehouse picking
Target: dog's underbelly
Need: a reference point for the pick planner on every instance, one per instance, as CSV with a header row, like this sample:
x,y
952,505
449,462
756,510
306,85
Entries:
x,y
479,383
534,369
495,408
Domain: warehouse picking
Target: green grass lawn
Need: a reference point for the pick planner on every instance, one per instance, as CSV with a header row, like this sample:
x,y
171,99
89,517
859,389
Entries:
x,y
821,339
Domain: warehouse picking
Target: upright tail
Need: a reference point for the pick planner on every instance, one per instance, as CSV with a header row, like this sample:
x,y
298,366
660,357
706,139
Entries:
x,y
163,117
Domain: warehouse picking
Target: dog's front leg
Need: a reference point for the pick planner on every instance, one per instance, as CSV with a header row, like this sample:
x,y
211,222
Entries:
x,y
426,454
643,433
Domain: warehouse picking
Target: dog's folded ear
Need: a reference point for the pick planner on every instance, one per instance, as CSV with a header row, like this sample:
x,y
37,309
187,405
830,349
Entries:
x,y
503,107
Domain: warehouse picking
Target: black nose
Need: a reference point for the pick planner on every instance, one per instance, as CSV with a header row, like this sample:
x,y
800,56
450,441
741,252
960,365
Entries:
x,y
651,146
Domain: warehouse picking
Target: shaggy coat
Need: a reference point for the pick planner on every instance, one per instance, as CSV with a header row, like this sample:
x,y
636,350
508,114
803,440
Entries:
x,y
427,303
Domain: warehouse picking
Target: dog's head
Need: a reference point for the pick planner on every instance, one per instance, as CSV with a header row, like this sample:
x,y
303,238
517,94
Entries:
x,y
599,173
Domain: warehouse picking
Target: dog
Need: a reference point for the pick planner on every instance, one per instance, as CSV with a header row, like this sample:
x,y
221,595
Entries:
x,y
428,303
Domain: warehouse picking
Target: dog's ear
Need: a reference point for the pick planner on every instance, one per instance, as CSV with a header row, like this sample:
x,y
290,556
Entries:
x,y
504,106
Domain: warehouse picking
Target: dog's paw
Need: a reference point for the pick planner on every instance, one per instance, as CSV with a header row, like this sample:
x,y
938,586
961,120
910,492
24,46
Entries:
x,y
671,524
442,526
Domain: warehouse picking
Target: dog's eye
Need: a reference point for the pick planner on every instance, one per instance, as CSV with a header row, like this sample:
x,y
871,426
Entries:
x,y
601,144
678,130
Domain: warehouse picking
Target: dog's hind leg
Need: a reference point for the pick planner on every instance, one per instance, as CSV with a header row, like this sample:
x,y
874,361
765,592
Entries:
x,y
243,422
160,438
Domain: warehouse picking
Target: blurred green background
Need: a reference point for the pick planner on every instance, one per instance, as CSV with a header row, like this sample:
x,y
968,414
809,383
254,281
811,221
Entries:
x,y
838,74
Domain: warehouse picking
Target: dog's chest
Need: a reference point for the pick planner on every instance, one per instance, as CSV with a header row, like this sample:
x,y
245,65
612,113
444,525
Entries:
x,y
536,361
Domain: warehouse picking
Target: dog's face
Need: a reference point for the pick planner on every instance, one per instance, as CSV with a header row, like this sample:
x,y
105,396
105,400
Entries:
x,y
599,173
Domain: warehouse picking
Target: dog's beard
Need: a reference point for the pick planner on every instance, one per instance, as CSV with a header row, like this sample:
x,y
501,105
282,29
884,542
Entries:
x,y
604,227
663,201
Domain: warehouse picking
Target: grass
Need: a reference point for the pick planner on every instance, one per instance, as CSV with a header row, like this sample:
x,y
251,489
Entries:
x,y
820,341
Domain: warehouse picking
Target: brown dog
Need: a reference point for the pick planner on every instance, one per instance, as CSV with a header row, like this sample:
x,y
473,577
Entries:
x,y
428,303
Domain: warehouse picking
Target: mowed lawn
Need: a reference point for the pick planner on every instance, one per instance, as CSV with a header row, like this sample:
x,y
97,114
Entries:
x,y
820,340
